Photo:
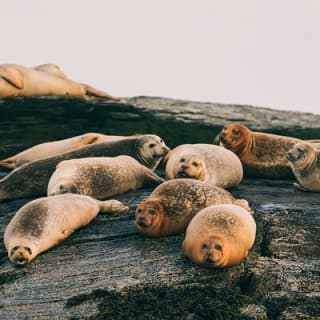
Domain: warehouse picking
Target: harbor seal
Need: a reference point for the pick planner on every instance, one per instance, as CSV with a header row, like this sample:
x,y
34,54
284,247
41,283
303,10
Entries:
x,y
43,80
304,160
262,154
54,148
172,205
31,179
44,222
212,164
101,177
219,236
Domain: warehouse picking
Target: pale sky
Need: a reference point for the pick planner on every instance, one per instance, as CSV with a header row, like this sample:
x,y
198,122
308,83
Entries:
x,y
263,53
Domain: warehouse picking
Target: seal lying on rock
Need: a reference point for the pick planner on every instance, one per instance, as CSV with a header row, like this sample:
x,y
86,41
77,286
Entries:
x,y
212,164
101,177
31,179
304,160
44,222
44,80
262,154
172,205
219,236
54,148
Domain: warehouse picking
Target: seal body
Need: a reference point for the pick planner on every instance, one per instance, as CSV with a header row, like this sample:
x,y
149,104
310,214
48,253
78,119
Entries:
x,y
219,236
43,80
31,179
262,154
172,205
212,164
304,159
54,148
100,177
44,222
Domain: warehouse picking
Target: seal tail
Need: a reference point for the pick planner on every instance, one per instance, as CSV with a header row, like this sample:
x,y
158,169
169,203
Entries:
x,y
245,205
112,206
93,92
8,163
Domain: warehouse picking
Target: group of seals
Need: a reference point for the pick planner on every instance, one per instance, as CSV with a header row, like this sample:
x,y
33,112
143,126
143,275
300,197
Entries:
x,y
265,155
213,164
54,148
31,179
171,206
44,222
43,80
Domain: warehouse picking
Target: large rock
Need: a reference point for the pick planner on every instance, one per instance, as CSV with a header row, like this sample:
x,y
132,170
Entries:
x,y
108,271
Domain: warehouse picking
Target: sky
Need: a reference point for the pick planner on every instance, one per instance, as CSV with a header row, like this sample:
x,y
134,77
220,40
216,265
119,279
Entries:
x,y
262,53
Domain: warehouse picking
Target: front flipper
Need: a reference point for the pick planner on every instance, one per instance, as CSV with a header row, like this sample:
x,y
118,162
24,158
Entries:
x,y
299,186
113,206
152,179
12,76
93,92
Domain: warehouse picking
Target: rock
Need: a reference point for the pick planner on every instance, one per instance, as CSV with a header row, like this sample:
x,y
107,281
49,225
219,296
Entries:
x,y
108,271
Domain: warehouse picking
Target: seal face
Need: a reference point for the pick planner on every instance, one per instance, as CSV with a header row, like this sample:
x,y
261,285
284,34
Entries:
x,y
31,179
304,160
172,205
54,148
205,162
100,177
262,155
44,222
43,80
219,236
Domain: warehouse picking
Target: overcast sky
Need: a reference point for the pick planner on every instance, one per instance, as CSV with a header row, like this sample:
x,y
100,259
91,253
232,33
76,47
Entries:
x,y
263,53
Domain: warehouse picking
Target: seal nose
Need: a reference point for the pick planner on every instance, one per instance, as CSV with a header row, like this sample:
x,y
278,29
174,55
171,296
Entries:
x,y
141,222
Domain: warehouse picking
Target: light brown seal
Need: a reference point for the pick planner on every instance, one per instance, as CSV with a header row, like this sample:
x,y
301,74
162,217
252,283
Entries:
x,y
43,80
262,154
101,177
212,164
31,179
172,205
304,160
44,222
54,148
219,236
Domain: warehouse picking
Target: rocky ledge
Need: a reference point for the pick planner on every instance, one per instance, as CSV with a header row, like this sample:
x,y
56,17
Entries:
x,y
108,271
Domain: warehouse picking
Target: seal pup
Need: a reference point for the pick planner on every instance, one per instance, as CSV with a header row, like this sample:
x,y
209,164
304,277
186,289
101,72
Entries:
x,y
43,80
212,164
44,222
219,236
304,160
172,205
262,154
31,179
54,148
101,177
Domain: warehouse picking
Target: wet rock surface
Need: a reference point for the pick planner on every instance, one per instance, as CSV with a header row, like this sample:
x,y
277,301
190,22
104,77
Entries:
x,y
108,271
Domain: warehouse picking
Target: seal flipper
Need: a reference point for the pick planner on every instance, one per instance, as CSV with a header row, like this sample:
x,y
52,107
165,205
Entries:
x,y
112,206
8,163
12,76
152,179
93,92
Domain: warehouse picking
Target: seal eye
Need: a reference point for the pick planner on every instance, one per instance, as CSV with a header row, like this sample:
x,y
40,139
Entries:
x,y
14,249
161,141
139,210
204,246
28,249
152,211
301,150
182,160
218,247
152,145
195,164
235,132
